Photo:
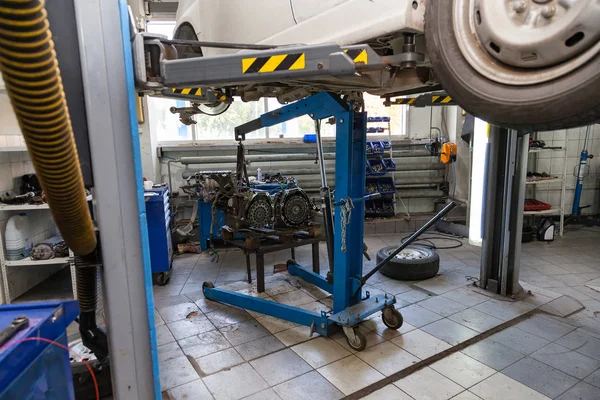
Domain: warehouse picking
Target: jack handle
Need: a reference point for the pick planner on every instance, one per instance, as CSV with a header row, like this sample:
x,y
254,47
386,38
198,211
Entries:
x,y
432,222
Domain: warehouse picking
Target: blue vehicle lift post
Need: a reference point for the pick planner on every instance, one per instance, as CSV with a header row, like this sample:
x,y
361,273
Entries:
x,y
349,308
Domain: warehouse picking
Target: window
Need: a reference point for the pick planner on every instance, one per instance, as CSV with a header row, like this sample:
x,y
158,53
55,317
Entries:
x,y
221,127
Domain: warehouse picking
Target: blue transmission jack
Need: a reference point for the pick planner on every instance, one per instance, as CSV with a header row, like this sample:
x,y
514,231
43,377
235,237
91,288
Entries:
x,y
24,365
349,307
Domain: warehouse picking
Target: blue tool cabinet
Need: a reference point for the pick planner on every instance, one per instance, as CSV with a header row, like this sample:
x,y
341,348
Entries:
x,y
34,370
158,215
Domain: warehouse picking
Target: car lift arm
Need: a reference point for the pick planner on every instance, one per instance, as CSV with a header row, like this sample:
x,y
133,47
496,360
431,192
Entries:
x,y
320,106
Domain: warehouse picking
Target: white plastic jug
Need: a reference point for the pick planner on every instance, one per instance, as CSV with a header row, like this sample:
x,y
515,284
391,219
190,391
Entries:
x,y
18,238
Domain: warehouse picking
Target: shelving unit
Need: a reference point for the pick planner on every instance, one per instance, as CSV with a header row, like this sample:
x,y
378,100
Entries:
x,y
5,297
540,182
380,175
554,211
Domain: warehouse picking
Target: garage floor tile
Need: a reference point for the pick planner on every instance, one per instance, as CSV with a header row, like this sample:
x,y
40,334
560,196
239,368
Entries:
x,y
567,361
466,395
190,327
219,361
581,391
518,340
502,387
545,327
594,378
309,386
442,305
419,385
493,354
175,372
582,343
389,392
235,383
420,344
350,374
281,366
462,369
449,331
195,390
320,351
244,332
259,347
540,377
466,296
387,358
418,316
204,344
476,320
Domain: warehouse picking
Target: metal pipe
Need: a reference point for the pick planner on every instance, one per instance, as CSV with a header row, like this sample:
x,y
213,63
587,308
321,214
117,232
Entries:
x,y
326,203
417,159
433,221
488,211
320,153
253,158
169,172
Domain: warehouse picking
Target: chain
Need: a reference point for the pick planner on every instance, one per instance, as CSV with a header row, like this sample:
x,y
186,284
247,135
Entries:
x,y
346,214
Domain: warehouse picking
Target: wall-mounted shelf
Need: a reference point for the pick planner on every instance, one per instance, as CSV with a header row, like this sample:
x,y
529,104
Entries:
x,y
540,149
29,207
13,149
23,207
544,181
552,211
29,261
557,209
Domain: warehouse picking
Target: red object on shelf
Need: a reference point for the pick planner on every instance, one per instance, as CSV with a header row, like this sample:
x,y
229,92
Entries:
x,y
536,205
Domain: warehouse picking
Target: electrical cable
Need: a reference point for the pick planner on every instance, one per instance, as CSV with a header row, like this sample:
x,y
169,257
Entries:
x,y
404,205
62,346
427,241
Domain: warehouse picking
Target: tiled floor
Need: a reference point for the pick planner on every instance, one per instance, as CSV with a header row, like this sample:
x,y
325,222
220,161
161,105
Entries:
x,y
209,350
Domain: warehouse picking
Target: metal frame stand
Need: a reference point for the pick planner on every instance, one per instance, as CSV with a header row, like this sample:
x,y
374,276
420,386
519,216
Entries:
x,y
348,307
503,211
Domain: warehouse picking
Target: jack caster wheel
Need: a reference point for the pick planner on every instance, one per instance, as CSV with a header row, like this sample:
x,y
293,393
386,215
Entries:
x,y
355,338
163,278
392,318
209,285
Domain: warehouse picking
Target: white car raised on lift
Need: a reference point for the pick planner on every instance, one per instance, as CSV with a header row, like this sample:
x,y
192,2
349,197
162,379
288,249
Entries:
x,y
527,64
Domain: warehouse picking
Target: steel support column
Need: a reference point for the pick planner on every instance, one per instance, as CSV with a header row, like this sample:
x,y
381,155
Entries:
x,y
503,210
107,72
349,183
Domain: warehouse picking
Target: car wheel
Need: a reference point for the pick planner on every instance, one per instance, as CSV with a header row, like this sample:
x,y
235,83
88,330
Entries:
x,y
186,32
414,263
485,57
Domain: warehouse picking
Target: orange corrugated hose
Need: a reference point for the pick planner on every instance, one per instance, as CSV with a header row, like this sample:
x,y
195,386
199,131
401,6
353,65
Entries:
x,y
32,77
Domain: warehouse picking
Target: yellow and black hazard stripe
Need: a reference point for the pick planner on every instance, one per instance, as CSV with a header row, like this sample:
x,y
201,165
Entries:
x,y
425,100
280,62
405,101
358,55
190,91
440,99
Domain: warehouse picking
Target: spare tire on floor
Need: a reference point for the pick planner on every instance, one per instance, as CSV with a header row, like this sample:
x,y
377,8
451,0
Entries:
x,y
414,263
